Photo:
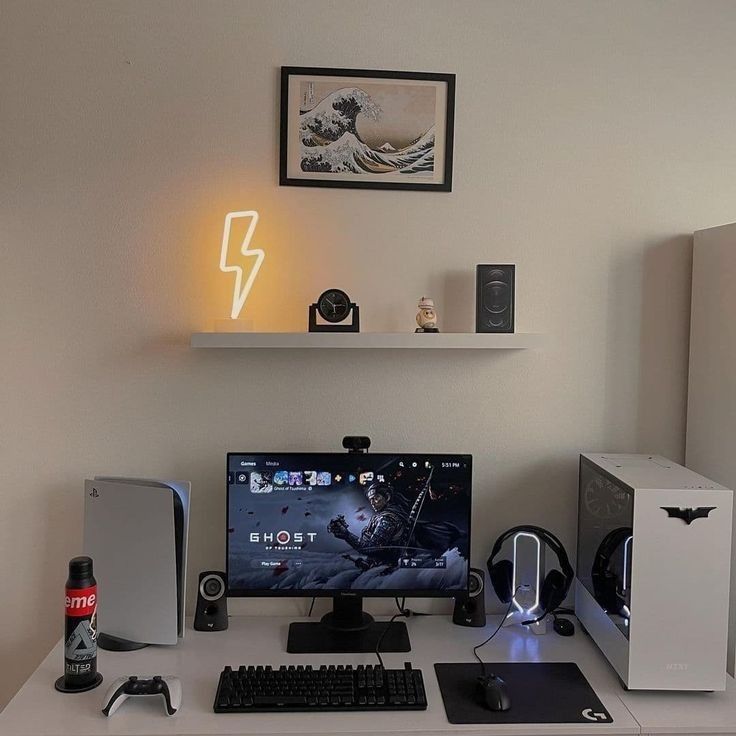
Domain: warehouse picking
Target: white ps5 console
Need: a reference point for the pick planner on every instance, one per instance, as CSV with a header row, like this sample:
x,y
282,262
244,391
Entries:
x,y
136,532
653,570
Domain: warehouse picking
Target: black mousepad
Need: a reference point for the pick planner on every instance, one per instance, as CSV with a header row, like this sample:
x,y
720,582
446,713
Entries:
x,y
540,692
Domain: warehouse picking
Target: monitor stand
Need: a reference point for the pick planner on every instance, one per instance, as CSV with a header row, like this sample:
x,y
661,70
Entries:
x,y
347,628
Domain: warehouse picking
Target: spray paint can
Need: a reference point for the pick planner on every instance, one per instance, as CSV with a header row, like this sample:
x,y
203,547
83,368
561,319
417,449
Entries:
x,y
80,637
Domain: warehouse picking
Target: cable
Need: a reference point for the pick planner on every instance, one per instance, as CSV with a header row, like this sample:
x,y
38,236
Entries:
x,y
311,606
544,615
498,628
407,611
536,620
558,612
383,635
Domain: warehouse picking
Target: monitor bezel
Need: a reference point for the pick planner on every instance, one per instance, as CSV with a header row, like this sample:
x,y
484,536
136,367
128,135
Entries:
x,y
364,593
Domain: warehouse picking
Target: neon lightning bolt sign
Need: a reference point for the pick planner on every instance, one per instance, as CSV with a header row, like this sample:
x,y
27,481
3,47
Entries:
x,y
235,261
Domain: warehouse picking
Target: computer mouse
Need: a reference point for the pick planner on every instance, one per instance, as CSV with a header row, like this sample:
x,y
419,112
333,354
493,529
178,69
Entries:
x,y
491,692
564,627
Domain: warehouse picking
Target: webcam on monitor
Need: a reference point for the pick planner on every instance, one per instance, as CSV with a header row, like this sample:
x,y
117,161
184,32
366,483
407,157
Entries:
x,y
353,443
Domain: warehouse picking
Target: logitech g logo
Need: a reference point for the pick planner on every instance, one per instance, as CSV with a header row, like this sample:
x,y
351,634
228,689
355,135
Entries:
x,y
688,515
591,716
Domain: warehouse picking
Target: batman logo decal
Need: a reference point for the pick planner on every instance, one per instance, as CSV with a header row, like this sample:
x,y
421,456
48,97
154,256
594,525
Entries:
x,y
688,515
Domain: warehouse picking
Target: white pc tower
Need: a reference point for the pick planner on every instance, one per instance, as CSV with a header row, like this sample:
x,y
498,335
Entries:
x,y
136,532
653,570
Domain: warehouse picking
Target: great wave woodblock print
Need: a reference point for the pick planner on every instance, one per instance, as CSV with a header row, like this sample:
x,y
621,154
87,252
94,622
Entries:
x,y
368,129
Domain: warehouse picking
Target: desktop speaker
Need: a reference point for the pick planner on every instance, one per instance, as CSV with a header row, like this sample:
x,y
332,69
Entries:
x,y
494,298
211,614
470,609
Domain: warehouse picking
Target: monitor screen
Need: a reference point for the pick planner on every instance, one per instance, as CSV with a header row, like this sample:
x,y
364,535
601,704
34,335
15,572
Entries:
x,y
371,524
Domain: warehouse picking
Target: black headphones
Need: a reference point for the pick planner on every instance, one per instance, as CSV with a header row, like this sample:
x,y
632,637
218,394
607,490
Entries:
x,y
556,584
605,582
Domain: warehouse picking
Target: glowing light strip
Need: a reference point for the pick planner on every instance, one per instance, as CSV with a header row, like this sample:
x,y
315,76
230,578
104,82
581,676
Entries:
x,y
627,554
539,571
240,290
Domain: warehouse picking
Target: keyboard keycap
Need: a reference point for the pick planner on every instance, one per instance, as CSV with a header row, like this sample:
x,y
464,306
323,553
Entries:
x,y
280,700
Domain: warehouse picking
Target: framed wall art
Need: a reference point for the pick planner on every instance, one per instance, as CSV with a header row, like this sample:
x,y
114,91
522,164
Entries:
x,y
366,129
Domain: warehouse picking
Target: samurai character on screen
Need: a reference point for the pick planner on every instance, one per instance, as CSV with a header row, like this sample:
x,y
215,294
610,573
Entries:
x,y
395,530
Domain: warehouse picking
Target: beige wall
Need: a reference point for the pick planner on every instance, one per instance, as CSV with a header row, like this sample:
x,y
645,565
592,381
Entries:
x,y
711,408
591,139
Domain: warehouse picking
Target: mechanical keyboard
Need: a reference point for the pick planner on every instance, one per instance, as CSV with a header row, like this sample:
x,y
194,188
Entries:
x,y
262,688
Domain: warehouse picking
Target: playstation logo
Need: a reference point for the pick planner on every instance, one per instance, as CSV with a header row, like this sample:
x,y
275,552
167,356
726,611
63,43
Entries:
x,y
94,493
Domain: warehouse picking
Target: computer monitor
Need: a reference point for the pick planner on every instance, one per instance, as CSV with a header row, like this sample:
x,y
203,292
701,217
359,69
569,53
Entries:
x,y
348,526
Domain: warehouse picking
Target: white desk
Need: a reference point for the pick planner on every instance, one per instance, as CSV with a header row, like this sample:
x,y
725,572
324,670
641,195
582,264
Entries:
x,y
38,710
686,714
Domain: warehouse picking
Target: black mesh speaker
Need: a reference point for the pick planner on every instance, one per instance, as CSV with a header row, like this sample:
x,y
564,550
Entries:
x,y
494,298
470,609
211,612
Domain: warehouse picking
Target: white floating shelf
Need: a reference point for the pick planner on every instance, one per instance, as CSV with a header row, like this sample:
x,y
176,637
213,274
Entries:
x,y
371,340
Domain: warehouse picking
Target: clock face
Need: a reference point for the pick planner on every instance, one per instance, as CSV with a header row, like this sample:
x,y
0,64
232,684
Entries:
x,y
604,500
333,305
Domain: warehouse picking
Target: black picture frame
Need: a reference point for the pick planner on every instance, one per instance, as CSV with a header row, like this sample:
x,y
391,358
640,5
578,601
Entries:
x,y
445,185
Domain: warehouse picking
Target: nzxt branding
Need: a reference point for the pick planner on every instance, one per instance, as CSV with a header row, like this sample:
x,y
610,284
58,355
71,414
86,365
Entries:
x,y
282,537
81,602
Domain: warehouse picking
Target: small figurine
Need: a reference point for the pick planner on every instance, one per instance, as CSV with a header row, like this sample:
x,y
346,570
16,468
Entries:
x,y
426,316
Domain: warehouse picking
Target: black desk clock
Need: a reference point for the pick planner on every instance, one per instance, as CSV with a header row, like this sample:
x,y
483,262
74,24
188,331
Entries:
x,y
334,307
